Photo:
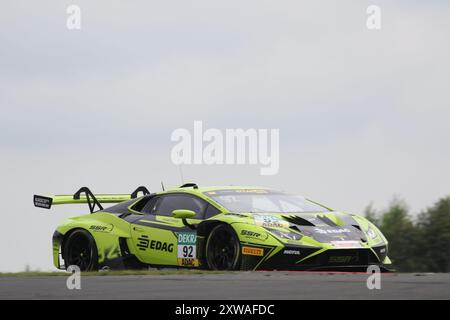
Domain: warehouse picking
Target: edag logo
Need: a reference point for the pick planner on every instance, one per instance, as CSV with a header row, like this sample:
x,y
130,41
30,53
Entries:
x,y
230,147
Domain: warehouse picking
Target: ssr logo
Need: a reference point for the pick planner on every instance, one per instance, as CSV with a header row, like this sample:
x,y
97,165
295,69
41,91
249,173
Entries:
x,y
145,243
107,228
254,235
342,259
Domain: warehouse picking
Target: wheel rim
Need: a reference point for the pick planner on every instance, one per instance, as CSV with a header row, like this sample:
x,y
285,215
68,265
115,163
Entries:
x,y
80,253
223,250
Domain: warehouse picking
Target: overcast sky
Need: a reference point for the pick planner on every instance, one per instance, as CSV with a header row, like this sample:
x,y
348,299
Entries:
x,y
363,115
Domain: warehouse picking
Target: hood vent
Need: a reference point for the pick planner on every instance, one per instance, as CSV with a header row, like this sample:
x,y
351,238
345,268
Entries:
x,y
298,221
327,220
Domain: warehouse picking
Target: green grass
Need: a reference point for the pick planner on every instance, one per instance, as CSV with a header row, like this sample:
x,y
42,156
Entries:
x,y
110,273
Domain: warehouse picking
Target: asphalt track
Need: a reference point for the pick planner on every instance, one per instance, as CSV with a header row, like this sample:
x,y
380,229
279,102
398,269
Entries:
x,y
231,286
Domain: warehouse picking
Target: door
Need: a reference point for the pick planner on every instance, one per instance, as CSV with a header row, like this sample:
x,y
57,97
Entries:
x,y
161,239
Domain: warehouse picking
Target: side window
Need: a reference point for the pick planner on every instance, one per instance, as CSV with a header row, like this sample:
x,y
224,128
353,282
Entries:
x,y
211,211
150,206
168,203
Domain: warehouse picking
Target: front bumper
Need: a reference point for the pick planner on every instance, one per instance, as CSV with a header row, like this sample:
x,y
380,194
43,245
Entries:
x,y
299,258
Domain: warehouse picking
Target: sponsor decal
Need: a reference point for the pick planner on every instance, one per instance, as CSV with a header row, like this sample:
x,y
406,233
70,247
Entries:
x,y
251,251
254,235
268,221
104,228
292,252
187,249
238,191
188,262
346,244
332,231
261,191
161,246
145,243
341,259
42,202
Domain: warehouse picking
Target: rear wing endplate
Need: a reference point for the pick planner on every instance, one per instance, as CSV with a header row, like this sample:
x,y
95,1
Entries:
x,y
85,195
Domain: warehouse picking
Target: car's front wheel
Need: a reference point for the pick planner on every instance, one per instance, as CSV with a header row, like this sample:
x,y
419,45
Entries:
x,y
223,249
80,250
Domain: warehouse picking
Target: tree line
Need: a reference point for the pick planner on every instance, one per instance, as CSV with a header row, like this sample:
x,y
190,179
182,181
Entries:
x,y
419,244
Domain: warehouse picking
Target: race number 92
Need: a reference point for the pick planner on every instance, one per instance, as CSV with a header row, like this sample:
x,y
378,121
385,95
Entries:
x,y
188,251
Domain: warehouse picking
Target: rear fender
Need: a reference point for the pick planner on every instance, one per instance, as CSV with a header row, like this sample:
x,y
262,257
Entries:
x,y
106,229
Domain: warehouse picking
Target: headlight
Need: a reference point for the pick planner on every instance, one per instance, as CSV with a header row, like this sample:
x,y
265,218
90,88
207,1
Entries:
x,y
371,233
286,234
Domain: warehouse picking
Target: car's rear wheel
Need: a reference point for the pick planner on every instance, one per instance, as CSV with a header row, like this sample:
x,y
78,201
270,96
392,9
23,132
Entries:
x,y
223,249
80,250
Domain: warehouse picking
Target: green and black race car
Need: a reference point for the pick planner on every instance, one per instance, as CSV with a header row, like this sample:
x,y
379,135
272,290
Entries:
x,y
217,228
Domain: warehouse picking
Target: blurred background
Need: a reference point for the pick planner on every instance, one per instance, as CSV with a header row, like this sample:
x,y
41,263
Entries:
x,y
363,114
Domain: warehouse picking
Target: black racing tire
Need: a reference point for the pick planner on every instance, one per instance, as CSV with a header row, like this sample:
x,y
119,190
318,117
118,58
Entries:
x,y
223,249
80,250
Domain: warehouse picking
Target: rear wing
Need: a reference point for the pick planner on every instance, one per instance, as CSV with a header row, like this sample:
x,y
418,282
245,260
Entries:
x,y
84,195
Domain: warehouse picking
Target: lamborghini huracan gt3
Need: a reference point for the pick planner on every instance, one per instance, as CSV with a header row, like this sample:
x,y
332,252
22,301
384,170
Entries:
x,y
217,228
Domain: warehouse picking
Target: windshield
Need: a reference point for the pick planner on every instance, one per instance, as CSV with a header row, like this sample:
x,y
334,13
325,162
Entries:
x,y
263,201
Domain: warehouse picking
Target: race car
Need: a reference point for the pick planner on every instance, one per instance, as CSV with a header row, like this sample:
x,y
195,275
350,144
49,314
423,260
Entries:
x,y
216,228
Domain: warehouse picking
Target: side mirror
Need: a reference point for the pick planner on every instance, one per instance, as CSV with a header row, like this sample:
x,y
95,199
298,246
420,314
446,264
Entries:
x,y
183,214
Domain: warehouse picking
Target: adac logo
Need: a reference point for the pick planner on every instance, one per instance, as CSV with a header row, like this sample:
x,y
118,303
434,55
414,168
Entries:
x,y
254,235
188,262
